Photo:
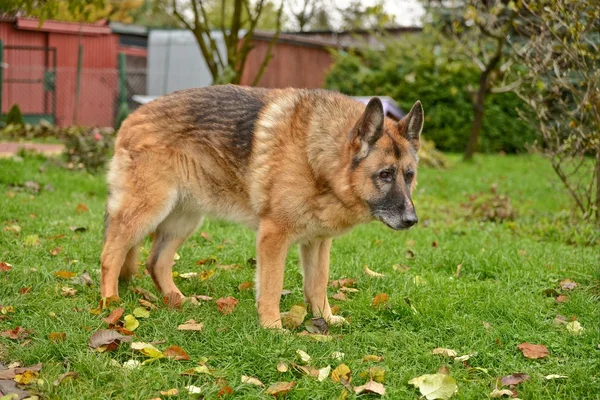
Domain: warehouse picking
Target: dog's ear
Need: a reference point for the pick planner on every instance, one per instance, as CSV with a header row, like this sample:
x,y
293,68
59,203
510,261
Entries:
x,y
412,125
368,129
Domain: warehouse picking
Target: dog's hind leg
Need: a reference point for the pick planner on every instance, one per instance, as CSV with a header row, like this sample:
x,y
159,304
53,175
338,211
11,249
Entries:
x,y
169,235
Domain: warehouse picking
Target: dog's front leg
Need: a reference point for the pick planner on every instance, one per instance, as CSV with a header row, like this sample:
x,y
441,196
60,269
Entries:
x,y
272,244
314,257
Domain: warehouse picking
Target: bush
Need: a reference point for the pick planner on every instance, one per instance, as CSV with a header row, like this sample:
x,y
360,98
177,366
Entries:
x,y
415,68
14,116
88,148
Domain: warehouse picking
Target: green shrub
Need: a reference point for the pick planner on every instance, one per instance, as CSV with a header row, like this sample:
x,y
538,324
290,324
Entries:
x,y
414,68
14,116
88,148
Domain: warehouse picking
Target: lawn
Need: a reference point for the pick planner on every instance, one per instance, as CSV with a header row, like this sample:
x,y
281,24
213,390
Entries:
x,y
496,300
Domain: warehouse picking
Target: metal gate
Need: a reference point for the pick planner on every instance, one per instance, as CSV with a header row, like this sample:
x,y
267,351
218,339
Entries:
x,y
28,79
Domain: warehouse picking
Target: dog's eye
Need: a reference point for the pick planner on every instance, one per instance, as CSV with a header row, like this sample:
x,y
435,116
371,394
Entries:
x,y
385,175
409,175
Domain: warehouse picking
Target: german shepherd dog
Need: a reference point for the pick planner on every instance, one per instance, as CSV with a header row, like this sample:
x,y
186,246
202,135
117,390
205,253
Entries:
x,y
298,166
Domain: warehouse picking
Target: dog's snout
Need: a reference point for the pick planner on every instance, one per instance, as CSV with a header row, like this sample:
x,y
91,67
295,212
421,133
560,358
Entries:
x,y
410,220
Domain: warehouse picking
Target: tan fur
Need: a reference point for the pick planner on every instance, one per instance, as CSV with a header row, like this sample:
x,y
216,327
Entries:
x,y
295,184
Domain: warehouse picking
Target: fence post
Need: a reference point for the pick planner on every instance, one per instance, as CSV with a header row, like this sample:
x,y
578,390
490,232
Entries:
x,y
123,108
1,72
78,83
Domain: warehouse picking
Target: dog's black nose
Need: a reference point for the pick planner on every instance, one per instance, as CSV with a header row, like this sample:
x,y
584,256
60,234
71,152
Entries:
x,y
410,220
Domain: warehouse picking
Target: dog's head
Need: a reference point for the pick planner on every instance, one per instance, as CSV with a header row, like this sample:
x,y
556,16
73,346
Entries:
x,y
384,163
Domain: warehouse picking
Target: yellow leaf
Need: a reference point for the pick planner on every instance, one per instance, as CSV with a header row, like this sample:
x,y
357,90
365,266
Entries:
x,y
147,349
26,377
141,312
341,372
131,323
372,273
293,318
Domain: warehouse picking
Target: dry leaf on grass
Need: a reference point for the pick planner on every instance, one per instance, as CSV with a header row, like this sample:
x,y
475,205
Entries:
x,y
435,386
341,374
341,296
141,312
279,388
561,298
497,393
55,251
114,316
251,381
176,353
148,305
375,373
317,325
191,325
106,337
245,286
68,291
514,379
370,387
172,300
57,337
344,282
303,356
380,299
81,208
226,305
83,280
10,373
64,274
148,350
444,352
369,272
5,267
554,376
533,350
282,367
567,284
131,323
372,357
293,318
66,375
170,392
16,334
26,377
575,328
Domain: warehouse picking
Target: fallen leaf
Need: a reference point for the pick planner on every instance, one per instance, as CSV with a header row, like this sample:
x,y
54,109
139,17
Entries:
x,y
11,372
66,375
226,305
176,352
324,373
145,294
514,379
575,328
561,298
317,337
349,289
554,376
6,309
487,325
372,357
16,334
170,392
106,337
435,386
567,284
31,240
380,300
26,377
444,352
465,357
131,323
55,251
444,370
114,316
435,244
340,296
317,325
533,350
131,364
550,292
419,280
230,267
191,325
4,266
344,282
148,350
64,274
376,374
81,208
369,272
282,367
225,390
245,286
84,279
400,268
497,393
370,387
293,318
279,388
252,381
409,254
188,275
172,300
341,374
147,304
68,291
57,337
14,228
206,236
204,275
303,356
141,312
560,320
193,389
209,260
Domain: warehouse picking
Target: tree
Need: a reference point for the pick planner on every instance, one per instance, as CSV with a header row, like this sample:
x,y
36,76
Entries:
x,y
356,16
226,67
480,30
560,75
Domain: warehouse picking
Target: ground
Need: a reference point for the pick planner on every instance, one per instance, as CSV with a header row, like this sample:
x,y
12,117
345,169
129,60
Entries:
x,y
496,300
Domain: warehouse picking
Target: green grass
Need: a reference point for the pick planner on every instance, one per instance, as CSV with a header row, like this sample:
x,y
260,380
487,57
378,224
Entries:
x,y
505,269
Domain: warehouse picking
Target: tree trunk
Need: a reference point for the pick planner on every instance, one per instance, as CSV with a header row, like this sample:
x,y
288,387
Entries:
x,y
598,187
478,114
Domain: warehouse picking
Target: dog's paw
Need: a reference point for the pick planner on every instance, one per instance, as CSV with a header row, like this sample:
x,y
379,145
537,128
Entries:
x,y
337,320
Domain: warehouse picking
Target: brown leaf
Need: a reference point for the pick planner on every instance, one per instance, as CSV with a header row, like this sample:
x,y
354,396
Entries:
x,y
84,279
170,392
147,304
435,244
177,353
172,300
81,208
533,350
55,251
560,320
444,370
369,272
206,236
245,286
225,391
16,334
64,274
410,254
68,291
114,316
226,305
62,377
252,381
107,337
209,260
145,294
514,379
10,373
380,299
341,296
567,284
317,325
57,337
344,282
24,290
279,388
230,267
191,325
562,298
372,357
370,387
5,266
